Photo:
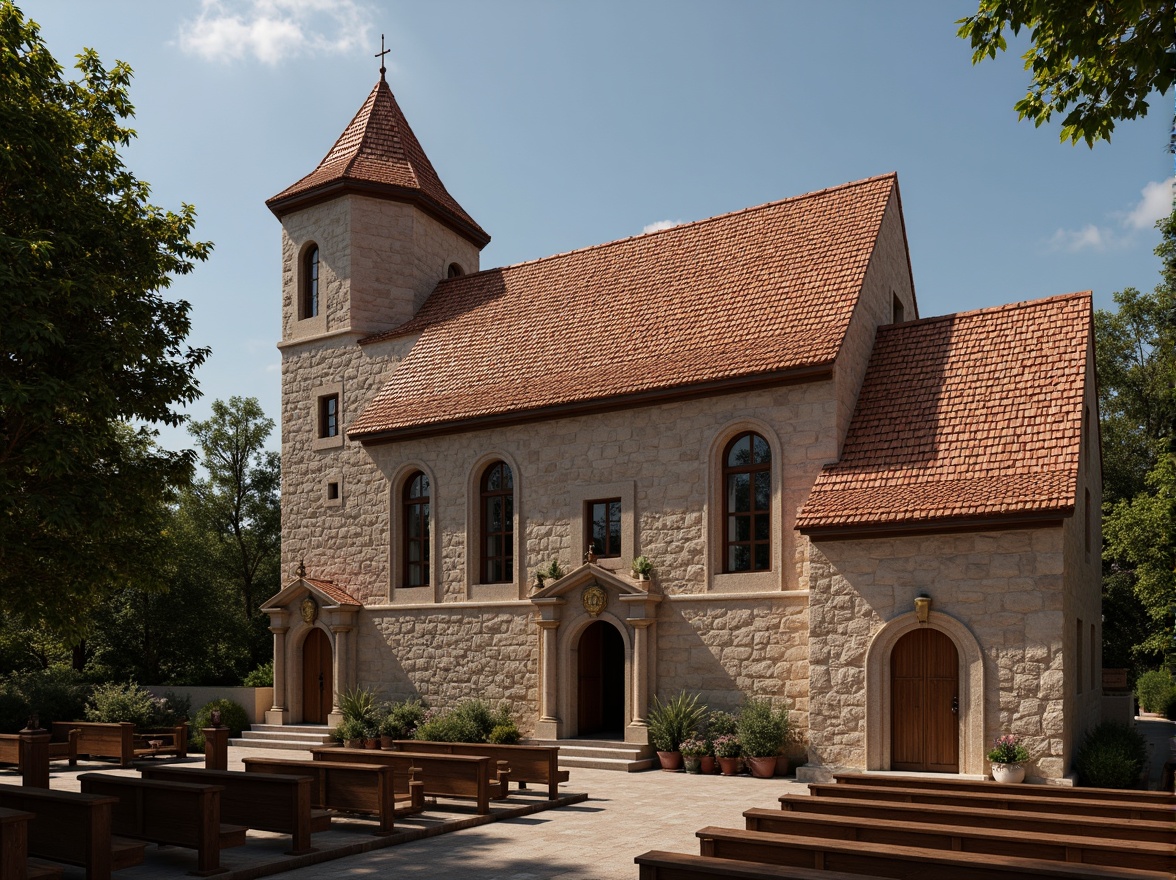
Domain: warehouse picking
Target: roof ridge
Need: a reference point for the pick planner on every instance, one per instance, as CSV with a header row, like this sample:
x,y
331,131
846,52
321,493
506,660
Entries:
x,y
989,310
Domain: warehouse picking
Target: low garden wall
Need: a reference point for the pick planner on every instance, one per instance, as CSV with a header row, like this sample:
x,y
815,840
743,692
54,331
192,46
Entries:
x,y
255,701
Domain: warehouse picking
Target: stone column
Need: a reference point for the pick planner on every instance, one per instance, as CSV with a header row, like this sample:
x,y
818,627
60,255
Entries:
x,y
549,664
339,678
277,714
640,670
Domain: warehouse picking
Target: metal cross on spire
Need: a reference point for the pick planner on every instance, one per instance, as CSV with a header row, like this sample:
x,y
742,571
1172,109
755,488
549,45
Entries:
x,y
380,55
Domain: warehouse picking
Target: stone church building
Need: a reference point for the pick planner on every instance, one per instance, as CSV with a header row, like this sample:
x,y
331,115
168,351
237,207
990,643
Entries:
x,y
887,523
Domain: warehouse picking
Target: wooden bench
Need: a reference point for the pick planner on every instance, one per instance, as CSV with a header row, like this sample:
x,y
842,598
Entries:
x,y
1067,847
171,813
348,788
73,828
657,865
534,764
281,804
996,800
65,749
981,817
14,850
1023,790
855,857
459,776
119,740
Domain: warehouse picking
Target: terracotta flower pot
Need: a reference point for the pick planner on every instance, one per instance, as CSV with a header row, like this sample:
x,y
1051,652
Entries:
x,y
670,760
353,743
1008,773
693,765
729,766
762,768
387,743
708,764
371,742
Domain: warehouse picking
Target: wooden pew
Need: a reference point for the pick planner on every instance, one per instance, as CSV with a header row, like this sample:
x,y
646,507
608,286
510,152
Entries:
x,y
65,749
855,857
981,817
534,764
119,740
349,788
281,804
657,865
1067,847
996,800
73,828
1061,791
460,776
14,850
171,813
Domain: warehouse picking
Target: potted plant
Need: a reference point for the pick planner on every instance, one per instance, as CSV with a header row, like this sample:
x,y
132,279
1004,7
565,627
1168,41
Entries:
x,y
762,732
641,568
1007,756
349,732
727,751
692,751
672,722
371,736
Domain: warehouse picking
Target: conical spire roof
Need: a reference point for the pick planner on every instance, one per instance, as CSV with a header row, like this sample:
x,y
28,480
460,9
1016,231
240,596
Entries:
x,y
378,155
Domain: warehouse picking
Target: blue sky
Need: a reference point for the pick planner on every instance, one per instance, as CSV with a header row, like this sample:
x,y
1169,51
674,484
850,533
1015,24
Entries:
x,y
559,125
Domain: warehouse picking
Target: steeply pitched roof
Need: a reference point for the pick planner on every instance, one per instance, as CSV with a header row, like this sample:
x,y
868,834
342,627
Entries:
x,y
757,293
970,416
378,155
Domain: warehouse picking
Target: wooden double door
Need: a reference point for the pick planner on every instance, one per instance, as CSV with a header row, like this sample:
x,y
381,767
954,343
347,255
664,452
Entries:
x,y
316,678
924,703
601,681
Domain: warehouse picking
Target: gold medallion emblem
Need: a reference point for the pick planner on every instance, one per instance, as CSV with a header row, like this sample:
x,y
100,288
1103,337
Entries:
x,y
309,609
595,600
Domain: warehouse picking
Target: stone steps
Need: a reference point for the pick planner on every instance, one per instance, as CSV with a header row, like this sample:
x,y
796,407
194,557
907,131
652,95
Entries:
x,y
603,754
288,737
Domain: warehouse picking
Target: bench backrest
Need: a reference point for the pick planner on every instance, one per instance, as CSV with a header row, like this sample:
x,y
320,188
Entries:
x,y
659,865
115,740
527,763
176,813
461,775
67,826
267,803
1060,791
995,801
980,817
364,788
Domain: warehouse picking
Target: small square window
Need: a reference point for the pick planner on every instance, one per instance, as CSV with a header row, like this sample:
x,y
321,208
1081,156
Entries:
x,y
332,491
603,524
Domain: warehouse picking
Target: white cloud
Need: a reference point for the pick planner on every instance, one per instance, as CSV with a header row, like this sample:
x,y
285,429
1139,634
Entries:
x,y
660,225
274,30
1156,199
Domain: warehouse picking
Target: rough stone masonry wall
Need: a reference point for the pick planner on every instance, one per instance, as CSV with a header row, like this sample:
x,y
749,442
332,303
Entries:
x,y
1005,587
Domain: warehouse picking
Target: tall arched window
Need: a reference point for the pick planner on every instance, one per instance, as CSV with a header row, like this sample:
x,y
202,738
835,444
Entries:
x,y
747,504
497,524
309,306
416,530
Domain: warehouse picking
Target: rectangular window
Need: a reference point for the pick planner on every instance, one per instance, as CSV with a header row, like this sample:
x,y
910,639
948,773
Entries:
x,y
329,416
332,491
1078,662
897,309
603,520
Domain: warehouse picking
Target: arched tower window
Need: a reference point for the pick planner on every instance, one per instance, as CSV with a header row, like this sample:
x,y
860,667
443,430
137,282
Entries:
x,y
416,530
747,504
454,271
308,306
497,524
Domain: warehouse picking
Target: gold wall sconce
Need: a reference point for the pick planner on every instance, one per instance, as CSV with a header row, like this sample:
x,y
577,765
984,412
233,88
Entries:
x,y
922,608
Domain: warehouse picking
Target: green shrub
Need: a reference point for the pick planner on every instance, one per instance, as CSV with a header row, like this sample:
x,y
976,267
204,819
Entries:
x,y
402,719
674,721
1112,755
504,734
14,709
262,676
57,694
1153,688
1169,709
115,702
348,728
233,716
359,704
449,727
762,730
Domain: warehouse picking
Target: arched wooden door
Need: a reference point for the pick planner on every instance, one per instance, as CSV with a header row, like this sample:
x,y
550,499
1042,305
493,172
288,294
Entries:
x,y
601,681
316,678
924,703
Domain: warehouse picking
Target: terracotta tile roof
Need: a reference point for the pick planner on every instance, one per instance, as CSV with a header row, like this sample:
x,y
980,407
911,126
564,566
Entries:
x,y
759,291
973,415
336,593
378,154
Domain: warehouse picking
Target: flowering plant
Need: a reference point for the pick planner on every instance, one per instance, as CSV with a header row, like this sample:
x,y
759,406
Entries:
x,y
1007,749
727,746
693,748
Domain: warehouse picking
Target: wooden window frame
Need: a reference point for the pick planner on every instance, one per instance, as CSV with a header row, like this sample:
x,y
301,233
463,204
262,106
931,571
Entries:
x,y
308,299
754,514
506,534
415,508
607,552
328,416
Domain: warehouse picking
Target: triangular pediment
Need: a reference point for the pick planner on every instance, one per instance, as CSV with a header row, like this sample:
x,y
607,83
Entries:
x,y
589,573
328,594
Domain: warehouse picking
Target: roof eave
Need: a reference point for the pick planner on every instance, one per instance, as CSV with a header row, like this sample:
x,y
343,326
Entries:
x,y
890,529
649,397
281,205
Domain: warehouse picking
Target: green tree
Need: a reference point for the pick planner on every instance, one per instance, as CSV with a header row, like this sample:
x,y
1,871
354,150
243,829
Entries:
x,y
1101,59
90,343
